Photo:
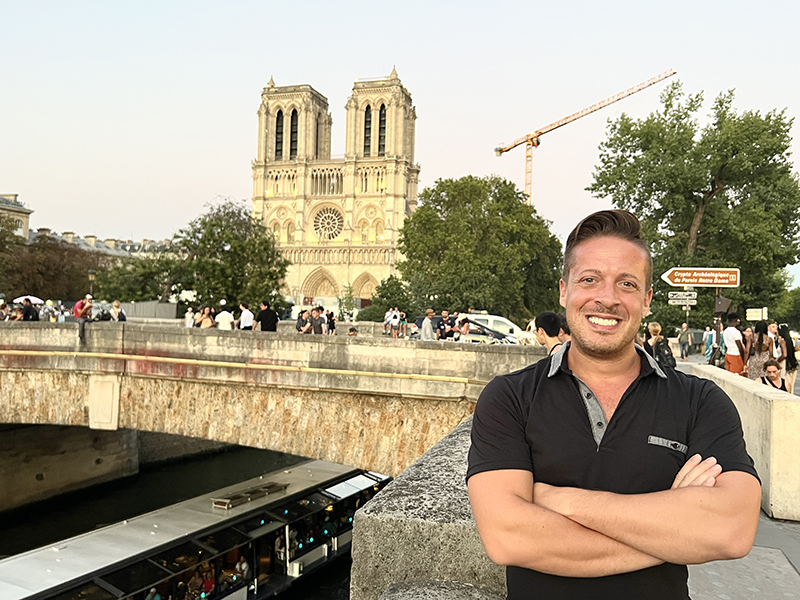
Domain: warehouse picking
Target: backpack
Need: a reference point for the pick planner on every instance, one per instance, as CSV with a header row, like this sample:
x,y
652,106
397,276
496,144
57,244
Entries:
x,y
663,354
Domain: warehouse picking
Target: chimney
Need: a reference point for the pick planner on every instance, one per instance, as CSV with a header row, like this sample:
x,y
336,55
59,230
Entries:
x,y
68,236
91,240
43,231
111,243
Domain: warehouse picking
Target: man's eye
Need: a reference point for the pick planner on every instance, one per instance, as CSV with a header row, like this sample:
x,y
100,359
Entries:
x,y
587,280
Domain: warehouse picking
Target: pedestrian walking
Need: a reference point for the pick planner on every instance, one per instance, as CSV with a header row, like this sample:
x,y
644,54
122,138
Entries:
x,y
684,339
246,319
267,319
426,331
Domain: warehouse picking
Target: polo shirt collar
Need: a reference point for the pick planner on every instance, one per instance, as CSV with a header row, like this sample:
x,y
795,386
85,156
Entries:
x,y
557,361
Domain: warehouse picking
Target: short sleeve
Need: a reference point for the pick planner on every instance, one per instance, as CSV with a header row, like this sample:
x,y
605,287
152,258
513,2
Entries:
x,y
717,431
498,431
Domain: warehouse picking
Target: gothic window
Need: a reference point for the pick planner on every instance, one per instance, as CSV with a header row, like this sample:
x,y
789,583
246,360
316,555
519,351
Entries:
x,y
382,131
379,232
290,232
368,131
293,136
276,229
279,136
328,223
364,231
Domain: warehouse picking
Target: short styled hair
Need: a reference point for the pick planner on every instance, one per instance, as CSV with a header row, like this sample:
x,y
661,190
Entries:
x,y
772,363
616,223
562,319
549,322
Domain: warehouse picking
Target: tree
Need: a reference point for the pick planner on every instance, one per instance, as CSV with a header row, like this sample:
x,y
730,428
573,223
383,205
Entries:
x,y
390,293
719,195
223,254
50,269
9,241
475,243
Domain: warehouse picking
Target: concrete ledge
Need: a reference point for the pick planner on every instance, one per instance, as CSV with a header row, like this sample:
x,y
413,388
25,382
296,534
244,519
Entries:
x,y
771,424
421,528
437,590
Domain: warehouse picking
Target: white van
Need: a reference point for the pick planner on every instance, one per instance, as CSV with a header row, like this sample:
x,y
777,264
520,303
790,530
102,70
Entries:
x,y
502,325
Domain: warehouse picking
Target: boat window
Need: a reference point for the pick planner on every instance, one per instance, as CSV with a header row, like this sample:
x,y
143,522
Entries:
x,y
182,557
90,591
224,540
138,576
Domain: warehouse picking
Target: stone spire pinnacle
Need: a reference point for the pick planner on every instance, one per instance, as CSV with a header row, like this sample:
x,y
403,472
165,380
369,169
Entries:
x,y
271,83
393,74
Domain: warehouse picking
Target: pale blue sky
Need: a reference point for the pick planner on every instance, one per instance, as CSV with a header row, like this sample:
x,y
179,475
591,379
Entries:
x,y
123,119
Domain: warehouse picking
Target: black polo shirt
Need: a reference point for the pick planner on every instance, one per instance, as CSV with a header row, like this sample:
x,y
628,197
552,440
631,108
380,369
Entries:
x,y
442,326
544,420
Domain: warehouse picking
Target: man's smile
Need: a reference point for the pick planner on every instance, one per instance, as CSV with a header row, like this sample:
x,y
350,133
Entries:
x,y
604,322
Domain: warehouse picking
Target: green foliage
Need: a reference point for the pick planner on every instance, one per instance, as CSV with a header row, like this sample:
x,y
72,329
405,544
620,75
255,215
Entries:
x,y
223,254
346,303
723,195
50,269
139,279
789,310
9,241
371,313
475,243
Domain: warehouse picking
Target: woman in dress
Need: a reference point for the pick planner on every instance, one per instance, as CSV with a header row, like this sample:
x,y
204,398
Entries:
x,y
759,350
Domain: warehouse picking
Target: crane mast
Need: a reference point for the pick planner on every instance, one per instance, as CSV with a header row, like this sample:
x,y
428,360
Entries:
x,y
531,140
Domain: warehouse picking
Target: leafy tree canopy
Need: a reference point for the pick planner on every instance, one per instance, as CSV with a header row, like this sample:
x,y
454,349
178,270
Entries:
x,y
223,254
475,243
390,293
719,195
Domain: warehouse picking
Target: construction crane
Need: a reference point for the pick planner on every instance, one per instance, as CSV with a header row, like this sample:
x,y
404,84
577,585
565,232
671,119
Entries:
x,y
531,140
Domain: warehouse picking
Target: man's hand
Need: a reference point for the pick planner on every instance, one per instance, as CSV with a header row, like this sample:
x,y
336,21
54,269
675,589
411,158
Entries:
x,y
697,471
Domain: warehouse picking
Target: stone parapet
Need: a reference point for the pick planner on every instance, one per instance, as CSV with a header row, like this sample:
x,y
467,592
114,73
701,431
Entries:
x,y
421,529
771,423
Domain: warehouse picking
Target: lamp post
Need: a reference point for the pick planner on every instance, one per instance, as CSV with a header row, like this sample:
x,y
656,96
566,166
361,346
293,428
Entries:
x,y
92,274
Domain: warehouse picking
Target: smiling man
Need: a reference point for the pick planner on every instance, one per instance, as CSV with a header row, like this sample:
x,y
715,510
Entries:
x,y
597,473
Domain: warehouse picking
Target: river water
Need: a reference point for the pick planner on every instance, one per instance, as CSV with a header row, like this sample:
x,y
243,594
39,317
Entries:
x,y
157,486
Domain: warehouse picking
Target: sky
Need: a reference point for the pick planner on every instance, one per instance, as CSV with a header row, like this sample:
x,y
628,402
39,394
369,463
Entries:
x,y
124,119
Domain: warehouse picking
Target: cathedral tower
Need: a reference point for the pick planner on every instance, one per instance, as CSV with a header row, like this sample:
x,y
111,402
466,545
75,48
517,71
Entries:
x,y
336,220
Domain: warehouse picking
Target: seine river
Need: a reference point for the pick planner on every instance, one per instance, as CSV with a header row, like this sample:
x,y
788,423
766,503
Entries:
x,y
156,486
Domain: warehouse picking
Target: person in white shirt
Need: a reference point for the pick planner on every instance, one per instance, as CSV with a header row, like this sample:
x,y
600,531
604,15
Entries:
x,y
246,319
224,319
188,318
734,347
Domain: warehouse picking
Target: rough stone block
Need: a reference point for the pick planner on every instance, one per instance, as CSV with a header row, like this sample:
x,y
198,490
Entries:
x,y
420,527
438,590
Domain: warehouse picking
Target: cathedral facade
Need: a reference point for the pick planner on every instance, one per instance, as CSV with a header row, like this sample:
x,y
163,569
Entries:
x,y
337,220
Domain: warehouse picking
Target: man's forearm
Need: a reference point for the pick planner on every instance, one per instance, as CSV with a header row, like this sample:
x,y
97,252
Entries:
x,y
686,526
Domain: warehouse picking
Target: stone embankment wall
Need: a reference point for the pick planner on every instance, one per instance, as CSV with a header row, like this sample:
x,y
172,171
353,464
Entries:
x,y
162,447
376,403
417,539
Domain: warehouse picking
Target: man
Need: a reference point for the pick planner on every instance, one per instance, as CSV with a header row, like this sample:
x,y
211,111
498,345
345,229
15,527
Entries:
x,y
773,375
387,317
82,311
593,473
444,328
302,325
316,323
684,338
734,346
224,319
426,331
394,322
267,318
778,346
563,332
548,328
246,319
29,313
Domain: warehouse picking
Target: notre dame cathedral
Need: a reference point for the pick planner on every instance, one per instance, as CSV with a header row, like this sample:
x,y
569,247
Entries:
x,y
336,219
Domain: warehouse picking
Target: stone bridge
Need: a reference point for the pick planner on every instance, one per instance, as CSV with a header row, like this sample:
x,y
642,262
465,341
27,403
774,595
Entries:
x,y
374,403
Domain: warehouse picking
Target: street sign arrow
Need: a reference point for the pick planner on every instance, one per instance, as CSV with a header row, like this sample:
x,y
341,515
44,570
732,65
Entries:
x,y
683,301
682,295
702,277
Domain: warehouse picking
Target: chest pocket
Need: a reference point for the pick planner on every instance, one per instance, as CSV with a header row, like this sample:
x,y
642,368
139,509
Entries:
x,y
671,444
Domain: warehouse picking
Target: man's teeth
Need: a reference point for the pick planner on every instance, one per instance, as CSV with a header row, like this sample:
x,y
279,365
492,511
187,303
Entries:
x,y
603,322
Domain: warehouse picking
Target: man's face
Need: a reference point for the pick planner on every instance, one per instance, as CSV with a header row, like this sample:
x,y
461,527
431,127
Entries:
x,y
540,336
315,313
606,296
773,373
684,327
773,328
445,314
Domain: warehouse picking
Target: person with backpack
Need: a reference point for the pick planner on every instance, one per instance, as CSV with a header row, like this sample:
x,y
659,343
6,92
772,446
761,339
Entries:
x,y
658,346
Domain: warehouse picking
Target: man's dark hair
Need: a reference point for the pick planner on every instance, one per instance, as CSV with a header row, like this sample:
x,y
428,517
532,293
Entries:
x,y
562,320
244,304
772,363
608,223
548,321
732,318
265,304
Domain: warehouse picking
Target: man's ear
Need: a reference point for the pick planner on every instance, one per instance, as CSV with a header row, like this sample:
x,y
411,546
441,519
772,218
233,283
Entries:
x,y
562,292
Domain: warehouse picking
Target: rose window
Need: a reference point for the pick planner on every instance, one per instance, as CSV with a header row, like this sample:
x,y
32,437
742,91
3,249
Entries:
x,y
328,223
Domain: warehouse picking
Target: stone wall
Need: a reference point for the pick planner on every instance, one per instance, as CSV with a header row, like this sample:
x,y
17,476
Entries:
x,y
37,463
161,447
376,403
